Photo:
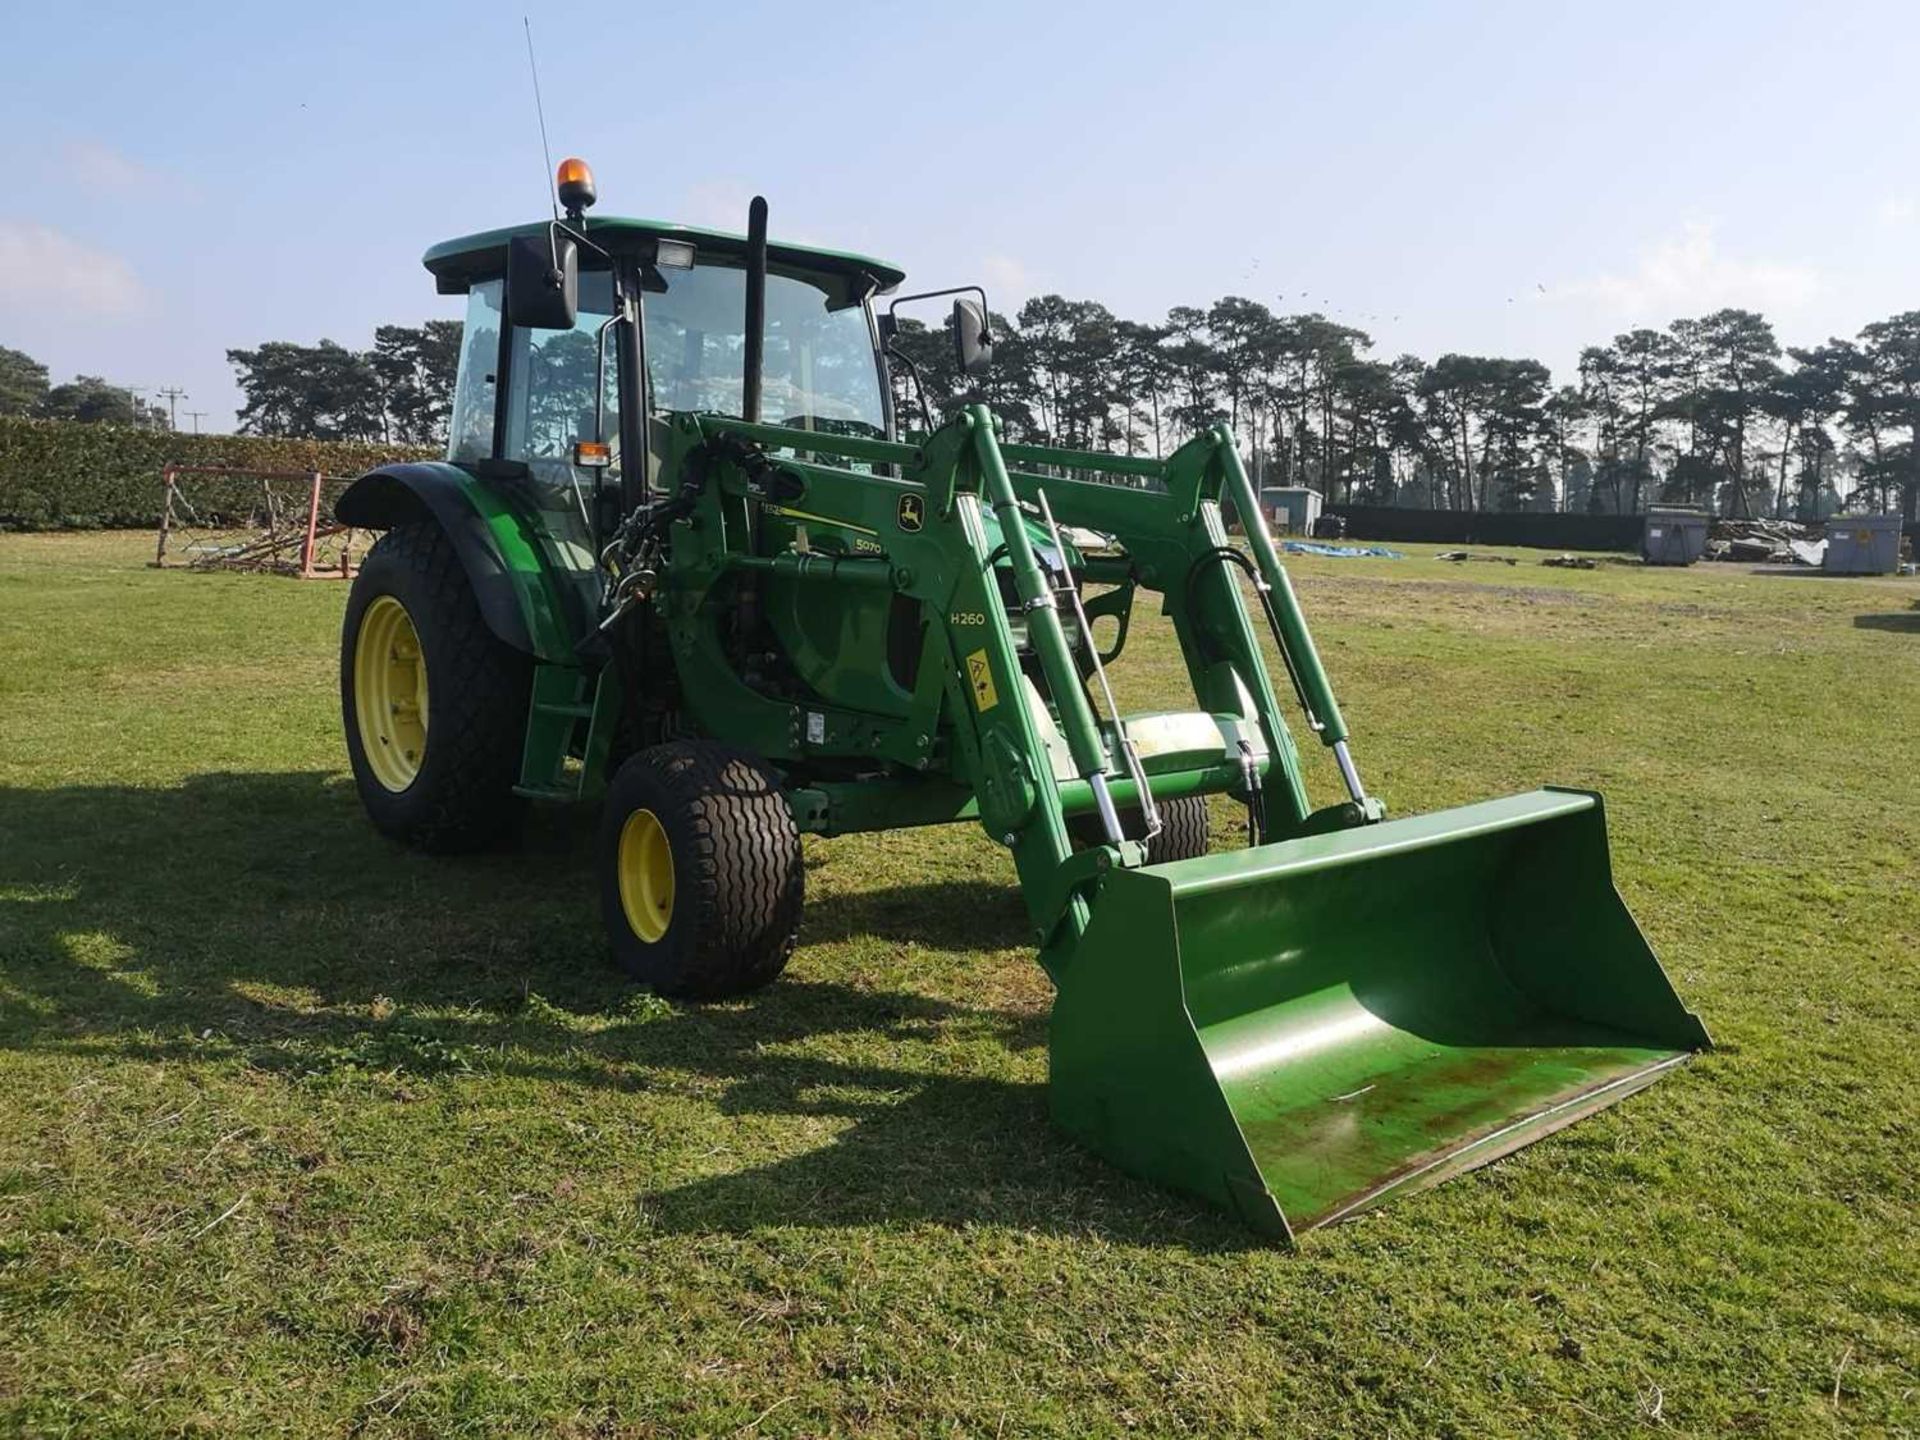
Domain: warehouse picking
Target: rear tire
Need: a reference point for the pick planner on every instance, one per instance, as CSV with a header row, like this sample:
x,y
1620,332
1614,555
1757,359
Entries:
x,y
433,703
1184,829
701,882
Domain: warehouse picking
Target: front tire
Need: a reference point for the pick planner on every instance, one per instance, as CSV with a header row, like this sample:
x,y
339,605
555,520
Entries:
x,y
701,882
433,703
1184,828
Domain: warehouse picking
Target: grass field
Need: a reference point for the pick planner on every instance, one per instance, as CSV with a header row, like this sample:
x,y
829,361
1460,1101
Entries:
x,y
303,1135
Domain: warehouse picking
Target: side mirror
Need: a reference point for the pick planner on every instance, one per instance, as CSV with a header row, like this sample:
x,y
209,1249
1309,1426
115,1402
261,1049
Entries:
x,y
540,296
972,342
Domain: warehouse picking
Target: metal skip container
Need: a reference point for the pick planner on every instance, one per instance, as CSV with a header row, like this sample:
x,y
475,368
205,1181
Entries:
x,y
1862,545
1674,537
1299,1030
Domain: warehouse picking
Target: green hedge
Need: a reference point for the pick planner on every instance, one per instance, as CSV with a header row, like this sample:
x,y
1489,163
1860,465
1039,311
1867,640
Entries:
x,y
60,475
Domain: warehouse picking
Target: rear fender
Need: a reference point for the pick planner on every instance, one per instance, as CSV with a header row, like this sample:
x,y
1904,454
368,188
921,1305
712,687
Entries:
x,y
518,595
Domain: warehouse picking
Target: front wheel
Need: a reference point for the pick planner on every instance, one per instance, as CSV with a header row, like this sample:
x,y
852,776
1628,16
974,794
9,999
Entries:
x,y
1183,828
701,881
433,703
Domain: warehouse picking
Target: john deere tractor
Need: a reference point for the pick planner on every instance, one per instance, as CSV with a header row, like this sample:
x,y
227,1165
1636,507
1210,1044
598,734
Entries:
x,y
684,559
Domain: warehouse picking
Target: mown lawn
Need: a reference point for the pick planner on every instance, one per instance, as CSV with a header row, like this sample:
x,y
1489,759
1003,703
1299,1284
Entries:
x,y
303,1135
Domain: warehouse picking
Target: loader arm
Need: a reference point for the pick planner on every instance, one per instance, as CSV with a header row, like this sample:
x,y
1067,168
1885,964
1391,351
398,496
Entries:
x,y
998,708
1347,1008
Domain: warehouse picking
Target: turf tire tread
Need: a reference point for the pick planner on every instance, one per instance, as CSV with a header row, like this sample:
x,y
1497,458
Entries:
x,y
478,693
737,860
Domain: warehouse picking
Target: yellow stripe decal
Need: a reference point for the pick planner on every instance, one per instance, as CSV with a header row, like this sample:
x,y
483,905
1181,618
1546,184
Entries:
x,y
822,519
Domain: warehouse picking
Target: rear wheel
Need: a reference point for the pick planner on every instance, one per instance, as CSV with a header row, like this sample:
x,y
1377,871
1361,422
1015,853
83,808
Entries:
x,y
433,703
700,873
1183,828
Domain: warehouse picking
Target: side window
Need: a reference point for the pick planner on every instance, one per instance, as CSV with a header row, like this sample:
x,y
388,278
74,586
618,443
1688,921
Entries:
x,y
470,435
552,395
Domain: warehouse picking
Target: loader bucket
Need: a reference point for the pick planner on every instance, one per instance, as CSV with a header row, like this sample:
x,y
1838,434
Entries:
x,y
1298,1030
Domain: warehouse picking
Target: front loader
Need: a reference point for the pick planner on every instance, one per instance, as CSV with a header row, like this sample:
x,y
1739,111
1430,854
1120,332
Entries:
x,y
682,560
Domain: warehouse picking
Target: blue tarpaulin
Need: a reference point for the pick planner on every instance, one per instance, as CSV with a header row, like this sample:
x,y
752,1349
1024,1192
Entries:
x,y
1340,552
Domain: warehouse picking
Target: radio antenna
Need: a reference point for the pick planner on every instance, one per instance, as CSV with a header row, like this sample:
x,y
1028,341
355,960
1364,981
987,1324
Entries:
x,y
533,69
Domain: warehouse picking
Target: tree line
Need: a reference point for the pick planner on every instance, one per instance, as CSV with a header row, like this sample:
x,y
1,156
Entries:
x,y
1710,411
398,392
27,389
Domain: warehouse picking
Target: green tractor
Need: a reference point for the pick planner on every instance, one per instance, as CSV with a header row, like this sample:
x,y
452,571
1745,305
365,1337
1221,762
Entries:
x,y
683,558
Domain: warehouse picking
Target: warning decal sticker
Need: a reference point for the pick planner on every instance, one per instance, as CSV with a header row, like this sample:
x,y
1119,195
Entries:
x,y
980,677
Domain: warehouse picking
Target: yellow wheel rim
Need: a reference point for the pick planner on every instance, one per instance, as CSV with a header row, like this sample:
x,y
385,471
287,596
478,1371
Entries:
x,y
390,693
645,865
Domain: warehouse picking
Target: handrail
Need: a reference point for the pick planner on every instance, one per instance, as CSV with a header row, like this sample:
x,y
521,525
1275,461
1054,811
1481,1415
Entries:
x,y
897,452
788,437
1044,632
1064,586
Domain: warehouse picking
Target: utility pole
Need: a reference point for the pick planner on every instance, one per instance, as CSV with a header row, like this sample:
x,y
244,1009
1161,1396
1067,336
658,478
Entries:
x,y
173,395
196,416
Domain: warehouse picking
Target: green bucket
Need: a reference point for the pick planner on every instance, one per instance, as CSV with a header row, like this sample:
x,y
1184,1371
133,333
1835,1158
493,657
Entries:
x,y
1298,1030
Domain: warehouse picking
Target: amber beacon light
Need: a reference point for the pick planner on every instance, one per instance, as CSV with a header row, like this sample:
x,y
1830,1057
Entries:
x,y
574,181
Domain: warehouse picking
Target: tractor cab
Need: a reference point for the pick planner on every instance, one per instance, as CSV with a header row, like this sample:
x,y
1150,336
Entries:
x,y
605,329
657,326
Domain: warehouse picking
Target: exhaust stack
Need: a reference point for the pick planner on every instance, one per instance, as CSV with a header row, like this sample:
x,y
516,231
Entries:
x,y
756,306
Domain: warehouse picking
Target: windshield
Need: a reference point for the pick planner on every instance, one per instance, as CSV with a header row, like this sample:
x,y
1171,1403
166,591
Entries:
x,y
818,370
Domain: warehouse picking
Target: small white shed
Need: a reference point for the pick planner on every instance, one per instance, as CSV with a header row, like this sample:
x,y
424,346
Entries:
x,y
1291,509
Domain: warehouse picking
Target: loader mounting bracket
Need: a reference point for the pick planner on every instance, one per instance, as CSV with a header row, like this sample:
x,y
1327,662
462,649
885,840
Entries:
x,y
1347,815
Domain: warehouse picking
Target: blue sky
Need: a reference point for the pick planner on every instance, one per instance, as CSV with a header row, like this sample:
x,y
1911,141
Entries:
x,y
1514,179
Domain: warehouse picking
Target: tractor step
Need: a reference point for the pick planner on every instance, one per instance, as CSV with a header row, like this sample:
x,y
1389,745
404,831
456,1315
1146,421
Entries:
x,y
547,792
571,714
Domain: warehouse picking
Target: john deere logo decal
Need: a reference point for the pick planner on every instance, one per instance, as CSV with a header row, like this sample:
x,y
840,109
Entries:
x,y
913,512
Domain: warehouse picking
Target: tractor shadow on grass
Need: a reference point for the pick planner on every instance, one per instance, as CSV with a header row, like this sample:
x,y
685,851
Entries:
x,y
255,922
1901,623
943,915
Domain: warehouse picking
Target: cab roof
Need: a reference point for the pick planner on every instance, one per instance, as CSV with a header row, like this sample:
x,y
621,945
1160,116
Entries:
x,y
456,264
